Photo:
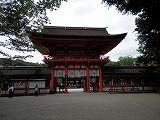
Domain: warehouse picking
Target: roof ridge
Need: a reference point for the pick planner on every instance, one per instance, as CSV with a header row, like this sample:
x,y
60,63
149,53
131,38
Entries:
x,y
76,28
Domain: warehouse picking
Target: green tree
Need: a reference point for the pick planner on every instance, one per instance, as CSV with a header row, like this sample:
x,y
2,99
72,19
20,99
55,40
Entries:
x,y
19,16
149,39
112,63
133,6
126,61
123,61
5,62
147,26
17,62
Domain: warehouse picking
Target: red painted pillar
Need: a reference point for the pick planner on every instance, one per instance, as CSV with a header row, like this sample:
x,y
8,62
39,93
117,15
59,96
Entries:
x,y
84,85
66,74
100,80
88,80
52,86
111,82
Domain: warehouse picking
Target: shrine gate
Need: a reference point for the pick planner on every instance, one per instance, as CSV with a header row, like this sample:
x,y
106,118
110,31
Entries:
x,y
75,54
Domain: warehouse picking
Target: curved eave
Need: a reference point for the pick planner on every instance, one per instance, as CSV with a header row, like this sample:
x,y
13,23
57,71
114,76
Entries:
x,y
111,40
56,39
47,36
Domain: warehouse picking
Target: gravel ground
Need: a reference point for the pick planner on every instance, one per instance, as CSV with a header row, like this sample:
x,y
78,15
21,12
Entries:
x,y
82,106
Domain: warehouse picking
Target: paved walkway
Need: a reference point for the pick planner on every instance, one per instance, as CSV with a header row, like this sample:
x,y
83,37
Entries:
x,y
82,106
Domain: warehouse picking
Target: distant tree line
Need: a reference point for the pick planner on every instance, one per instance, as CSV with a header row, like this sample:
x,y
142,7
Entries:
x,y
18,62
123,61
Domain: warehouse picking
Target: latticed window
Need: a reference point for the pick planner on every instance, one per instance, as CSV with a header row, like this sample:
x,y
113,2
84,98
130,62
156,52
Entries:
x,y
116,82
127,81
137,81
106,82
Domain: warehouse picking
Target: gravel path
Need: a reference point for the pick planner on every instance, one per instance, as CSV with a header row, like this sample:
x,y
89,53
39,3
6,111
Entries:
x,y
82,106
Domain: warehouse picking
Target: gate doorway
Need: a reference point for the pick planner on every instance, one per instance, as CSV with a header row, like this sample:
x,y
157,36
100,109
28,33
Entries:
x,y
74,83
80,84
71,84
77,84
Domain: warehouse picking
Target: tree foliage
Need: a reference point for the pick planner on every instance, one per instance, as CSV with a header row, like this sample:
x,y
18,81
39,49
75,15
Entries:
x,y
18,16
147,26
112,63
125,61
17,62
148,29
132,6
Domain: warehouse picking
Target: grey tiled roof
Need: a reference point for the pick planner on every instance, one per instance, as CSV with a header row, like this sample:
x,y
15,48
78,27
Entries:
x,y
78,31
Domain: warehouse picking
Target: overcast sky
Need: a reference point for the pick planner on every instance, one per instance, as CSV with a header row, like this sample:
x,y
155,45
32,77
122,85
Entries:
x,y
92,13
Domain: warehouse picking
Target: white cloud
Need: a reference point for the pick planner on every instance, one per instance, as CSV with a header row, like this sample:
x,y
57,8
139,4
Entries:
x,y
91,13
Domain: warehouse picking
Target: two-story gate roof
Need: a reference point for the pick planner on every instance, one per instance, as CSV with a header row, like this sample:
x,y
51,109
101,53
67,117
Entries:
x,y
75,42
